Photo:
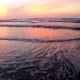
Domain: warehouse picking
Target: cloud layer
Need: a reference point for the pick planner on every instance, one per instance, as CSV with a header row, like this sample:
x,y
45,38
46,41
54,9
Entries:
x,y
39,8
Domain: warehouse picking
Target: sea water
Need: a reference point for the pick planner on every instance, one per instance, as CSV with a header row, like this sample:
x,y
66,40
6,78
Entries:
x,y
40,49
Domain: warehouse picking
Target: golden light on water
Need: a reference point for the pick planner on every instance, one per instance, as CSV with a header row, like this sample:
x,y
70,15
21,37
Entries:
x,y
4,32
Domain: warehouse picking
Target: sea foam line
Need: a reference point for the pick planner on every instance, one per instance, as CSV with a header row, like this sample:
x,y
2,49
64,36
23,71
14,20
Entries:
x,y
40,40
43,26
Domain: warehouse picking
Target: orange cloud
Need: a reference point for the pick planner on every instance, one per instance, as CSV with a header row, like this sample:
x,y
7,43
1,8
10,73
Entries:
x,y
49,10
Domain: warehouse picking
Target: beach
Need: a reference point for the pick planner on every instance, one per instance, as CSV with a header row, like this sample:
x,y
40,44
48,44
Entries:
x,y
40,49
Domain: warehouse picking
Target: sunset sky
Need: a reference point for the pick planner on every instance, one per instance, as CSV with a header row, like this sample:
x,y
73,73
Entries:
x,y
39,8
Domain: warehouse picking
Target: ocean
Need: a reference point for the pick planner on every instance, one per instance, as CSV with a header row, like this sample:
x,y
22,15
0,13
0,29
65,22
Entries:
x,y
40,49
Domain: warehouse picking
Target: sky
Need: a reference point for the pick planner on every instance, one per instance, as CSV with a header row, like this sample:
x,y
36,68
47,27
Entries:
x,y
39,8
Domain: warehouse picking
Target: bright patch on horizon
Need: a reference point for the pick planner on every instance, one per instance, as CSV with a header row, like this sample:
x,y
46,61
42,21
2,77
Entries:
x,y
3,11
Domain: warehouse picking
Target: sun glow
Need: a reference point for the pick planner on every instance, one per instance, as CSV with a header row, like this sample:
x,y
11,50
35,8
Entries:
x,y
3,11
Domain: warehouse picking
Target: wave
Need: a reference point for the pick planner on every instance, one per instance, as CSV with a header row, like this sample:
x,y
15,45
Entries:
x,y
70,20
40,40
43,26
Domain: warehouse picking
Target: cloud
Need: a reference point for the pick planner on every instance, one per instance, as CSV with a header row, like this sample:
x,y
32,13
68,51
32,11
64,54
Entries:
x,y
41,8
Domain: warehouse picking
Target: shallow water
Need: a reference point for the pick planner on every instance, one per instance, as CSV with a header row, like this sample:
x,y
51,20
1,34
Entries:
x,y
37,33
28,53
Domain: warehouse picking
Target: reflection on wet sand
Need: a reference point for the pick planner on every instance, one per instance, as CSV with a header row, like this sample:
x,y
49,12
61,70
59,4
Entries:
x,y
4,32
4,47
